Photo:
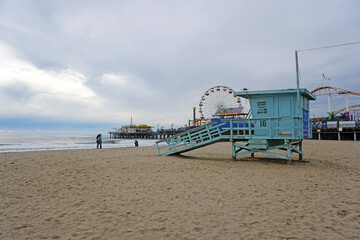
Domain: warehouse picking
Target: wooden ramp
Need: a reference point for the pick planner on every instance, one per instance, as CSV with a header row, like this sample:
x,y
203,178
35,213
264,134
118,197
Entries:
x,y
258,138
192,139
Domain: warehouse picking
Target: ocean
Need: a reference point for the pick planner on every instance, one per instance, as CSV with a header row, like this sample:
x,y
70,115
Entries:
x,y
17,143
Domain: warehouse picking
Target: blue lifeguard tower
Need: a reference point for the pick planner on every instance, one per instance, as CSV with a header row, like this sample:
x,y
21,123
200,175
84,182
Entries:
x,y
279,120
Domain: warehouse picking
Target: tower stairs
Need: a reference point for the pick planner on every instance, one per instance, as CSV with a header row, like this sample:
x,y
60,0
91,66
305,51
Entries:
x,y
192,139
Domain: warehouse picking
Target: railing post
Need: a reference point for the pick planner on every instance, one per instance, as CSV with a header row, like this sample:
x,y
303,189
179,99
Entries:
x,y
300,126
191,142
172,143
250,128
158,149
208,131
218,129
269,120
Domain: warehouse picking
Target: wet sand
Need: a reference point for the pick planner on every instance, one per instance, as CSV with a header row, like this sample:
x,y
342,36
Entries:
x,y
132,193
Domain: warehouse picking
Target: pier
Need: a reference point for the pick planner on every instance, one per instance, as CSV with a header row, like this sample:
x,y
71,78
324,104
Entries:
x,y
160,134
336,134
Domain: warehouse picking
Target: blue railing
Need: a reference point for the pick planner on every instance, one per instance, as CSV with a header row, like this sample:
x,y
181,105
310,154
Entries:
x,y
263,128
191,139
230,130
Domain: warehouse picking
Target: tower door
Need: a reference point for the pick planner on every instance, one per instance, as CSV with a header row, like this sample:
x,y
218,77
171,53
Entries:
x,y
285,114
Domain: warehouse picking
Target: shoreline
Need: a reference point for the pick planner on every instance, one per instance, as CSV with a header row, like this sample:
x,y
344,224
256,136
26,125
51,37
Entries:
x,y
71,149
50,143
153,146
132,193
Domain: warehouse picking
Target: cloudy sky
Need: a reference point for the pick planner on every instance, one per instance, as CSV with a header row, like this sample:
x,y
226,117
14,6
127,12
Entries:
x,y
88,66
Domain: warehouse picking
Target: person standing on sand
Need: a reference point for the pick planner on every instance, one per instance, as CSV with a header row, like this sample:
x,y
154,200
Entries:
x,y
136,143
99,141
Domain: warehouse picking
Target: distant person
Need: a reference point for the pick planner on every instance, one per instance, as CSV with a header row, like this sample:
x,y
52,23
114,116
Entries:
x,y
136,143
99,141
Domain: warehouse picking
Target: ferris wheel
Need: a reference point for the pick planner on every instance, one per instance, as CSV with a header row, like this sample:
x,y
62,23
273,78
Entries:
x,y
219,99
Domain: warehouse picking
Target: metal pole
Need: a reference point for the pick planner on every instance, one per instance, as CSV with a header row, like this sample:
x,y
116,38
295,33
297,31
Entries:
x,y
297,83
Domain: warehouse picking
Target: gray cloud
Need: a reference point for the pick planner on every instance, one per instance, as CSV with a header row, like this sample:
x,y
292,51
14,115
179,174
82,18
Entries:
x,y
171,52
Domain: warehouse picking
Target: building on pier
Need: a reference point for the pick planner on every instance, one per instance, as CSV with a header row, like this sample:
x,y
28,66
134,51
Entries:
x,y
133,131
142,131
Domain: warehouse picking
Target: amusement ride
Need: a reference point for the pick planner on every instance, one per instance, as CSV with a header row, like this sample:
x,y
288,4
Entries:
x,y
329,91
221,102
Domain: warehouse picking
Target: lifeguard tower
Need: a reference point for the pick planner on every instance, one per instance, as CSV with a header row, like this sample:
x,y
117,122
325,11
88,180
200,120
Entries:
x,y
280,120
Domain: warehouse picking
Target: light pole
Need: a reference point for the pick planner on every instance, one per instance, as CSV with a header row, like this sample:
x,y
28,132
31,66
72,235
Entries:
x,y
297,68
297,83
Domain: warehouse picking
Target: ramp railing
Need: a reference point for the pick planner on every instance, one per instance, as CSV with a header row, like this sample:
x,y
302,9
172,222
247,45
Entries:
x,y
231,130
191,139
264,128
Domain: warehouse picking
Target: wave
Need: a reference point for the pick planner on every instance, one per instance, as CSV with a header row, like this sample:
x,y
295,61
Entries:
x,y
5,144
41,143
104,142
111,142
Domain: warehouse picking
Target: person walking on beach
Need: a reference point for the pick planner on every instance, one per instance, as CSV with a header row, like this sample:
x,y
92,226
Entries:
x,y
136,143
99,141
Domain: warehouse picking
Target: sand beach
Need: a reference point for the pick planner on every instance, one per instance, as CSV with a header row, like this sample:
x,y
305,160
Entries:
x,y
132,193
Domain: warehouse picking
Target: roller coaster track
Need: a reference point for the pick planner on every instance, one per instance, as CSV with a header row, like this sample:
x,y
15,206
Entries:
x,y
350,107
326,90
